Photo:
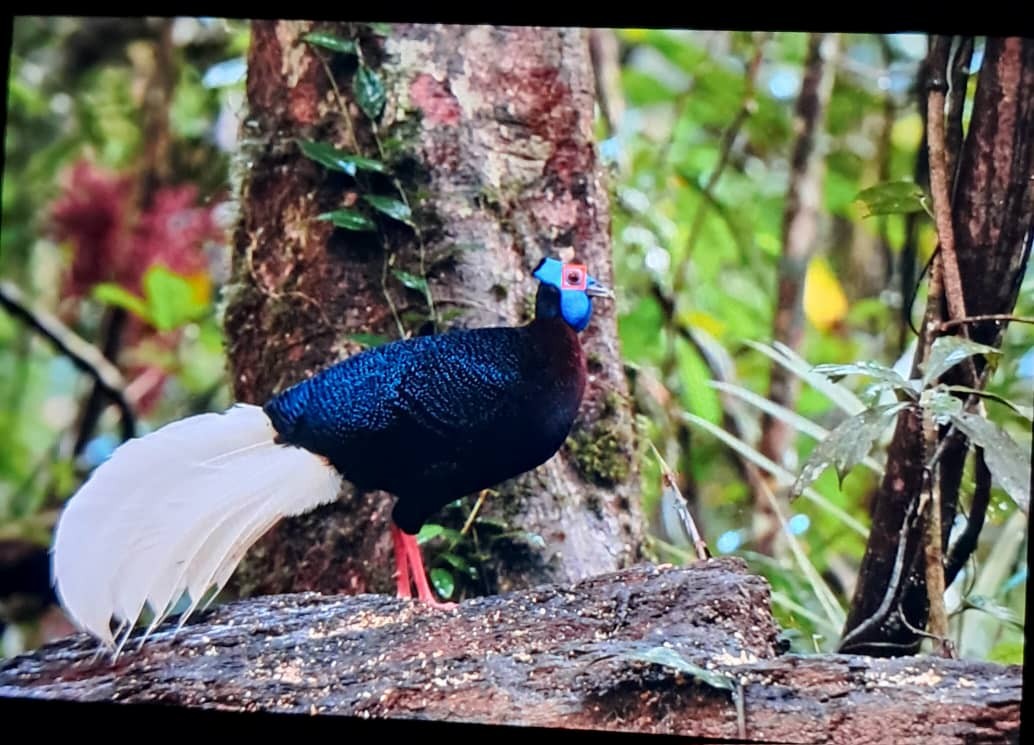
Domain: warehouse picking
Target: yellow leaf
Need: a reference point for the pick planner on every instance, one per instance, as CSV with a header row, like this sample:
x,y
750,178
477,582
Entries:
x,y
825,303
907,132
201,284
704,321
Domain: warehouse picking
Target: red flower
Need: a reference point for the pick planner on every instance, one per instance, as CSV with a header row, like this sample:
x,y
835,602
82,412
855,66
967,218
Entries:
x,y
114,241
92,215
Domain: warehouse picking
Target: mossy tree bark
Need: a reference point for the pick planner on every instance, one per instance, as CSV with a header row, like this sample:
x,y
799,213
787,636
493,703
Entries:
x,y
486,134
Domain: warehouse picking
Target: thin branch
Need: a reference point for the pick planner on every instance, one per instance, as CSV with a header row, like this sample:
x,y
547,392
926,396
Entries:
x,y
671,488
112,325
935,583
894,586
951,323
603,49
947,647
910,283
940,186
956,105
966,543
945,270
748,105
84,355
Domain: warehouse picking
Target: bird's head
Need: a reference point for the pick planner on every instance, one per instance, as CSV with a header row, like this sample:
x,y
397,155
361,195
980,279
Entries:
x,y
566,290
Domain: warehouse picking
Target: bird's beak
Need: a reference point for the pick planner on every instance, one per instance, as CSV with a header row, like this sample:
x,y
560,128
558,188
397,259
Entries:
x,y
595,289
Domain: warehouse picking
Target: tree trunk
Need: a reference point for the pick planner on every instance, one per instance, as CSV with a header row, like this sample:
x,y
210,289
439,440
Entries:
x,y
993,216
555,656
488,132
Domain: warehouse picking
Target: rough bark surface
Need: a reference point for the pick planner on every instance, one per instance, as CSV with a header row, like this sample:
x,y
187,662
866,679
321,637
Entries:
x,y
992,215
552,656
489,132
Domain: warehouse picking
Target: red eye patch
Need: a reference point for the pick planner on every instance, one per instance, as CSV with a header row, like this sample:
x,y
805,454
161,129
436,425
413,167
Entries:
x,y
574,277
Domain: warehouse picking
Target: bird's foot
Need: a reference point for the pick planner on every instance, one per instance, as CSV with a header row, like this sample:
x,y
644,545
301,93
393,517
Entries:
x,y
437,604
409,566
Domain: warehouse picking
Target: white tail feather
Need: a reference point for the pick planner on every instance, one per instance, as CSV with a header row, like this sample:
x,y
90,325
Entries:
x,y
175,511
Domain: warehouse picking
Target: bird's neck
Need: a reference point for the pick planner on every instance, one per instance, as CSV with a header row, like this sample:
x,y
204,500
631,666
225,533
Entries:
x,y
559,346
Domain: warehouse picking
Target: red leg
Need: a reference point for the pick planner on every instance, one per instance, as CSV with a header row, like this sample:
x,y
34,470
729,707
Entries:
x,y
414,562
401,562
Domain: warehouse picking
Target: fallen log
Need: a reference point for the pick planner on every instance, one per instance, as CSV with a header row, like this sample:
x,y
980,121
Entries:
x,y
690,651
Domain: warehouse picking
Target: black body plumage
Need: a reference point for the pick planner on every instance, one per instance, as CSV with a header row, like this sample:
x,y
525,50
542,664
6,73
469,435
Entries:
x,y
435,418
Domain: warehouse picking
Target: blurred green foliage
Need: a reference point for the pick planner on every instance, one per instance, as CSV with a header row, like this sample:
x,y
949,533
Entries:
x,y
683,90
81,95
77,90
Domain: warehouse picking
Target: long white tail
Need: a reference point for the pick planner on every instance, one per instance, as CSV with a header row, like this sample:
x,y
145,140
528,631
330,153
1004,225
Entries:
x,y
175,511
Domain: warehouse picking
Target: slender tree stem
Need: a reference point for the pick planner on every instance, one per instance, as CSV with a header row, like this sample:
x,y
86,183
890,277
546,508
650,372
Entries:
x,y
83,355
940,185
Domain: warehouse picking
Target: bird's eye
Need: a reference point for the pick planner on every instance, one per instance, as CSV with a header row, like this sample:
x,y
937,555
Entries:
x,y
574,277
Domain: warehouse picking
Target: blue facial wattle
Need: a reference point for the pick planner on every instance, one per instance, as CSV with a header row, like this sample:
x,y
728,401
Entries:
x,y
575,300
575,308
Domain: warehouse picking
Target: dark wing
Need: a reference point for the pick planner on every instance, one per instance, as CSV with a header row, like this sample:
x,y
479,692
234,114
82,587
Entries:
x,y
461,383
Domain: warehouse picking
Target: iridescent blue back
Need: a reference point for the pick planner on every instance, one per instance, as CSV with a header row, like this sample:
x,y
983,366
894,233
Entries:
x,y
435,418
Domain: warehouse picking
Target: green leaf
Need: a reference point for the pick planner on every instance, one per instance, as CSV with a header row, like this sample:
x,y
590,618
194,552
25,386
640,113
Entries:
x,y
1007,652
339,160
390,206
430,531
170,299
331,42
784,477
450,314
1008,463
381,29
120,297
999,611
369,340
848,444
948,351
369,92
1026,412
670,658
411,281
349,220
893,197
443,582
939,402
491,522
785,357
460,564
870,369
414,318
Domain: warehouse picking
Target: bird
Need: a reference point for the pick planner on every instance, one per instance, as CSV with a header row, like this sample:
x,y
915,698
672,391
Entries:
x,y
427,419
